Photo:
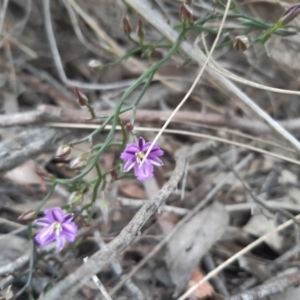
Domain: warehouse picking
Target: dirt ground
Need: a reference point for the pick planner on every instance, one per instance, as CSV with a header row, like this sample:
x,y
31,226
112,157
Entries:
x,y
82,81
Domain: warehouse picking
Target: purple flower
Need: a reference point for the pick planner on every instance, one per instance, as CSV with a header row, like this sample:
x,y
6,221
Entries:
x,y
134,155
57,226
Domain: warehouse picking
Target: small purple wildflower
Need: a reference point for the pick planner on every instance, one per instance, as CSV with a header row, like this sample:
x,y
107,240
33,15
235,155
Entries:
x,y
134,155
57,226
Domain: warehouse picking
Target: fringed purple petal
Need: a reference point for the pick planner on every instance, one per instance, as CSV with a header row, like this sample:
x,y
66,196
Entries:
x,y
155,161
143,172
55,214
129,165
45,236
60,240
127,155
141,143
155,151
68,218
58,214
49,214
48,240
69,231
70,228
43,222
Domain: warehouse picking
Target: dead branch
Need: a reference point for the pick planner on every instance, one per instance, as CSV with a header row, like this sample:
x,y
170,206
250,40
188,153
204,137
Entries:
x,y
75,280
48,113
29,144
271,288
16,264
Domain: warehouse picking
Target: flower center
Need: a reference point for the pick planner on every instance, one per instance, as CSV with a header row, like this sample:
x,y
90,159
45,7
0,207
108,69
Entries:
x,y
139,156
57,226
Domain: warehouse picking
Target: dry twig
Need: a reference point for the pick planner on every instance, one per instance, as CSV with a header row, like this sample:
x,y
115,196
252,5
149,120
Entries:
x,y
48,113
29,144
273,287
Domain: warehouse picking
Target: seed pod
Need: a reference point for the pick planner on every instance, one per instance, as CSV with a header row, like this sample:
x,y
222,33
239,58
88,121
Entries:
x,y
104,208
63,151
126,26
27,216
141,30
45,176
241,43
78,163
186,14
81,97
289,15
95,64
114,174
129,127
75,198
189,2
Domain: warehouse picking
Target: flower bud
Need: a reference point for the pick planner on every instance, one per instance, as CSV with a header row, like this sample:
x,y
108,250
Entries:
x,y
27,216
63,151
186,14
75,198
81,97
126,26
189,2
95,64
140,30
241,43
104,209
78,163
128,127
45,176
114,174
289,15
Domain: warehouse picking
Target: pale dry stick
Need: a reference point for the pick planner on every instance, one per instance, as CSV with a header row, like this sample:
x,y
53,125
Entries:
x,y
135,292
241,134
3,13
183,132
203,203
236,256
218,68
77,29
281,3
231,208
184,179
20,45
218,80
193,85
99,284
15,265
59,65
12,77
274,286
14,232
